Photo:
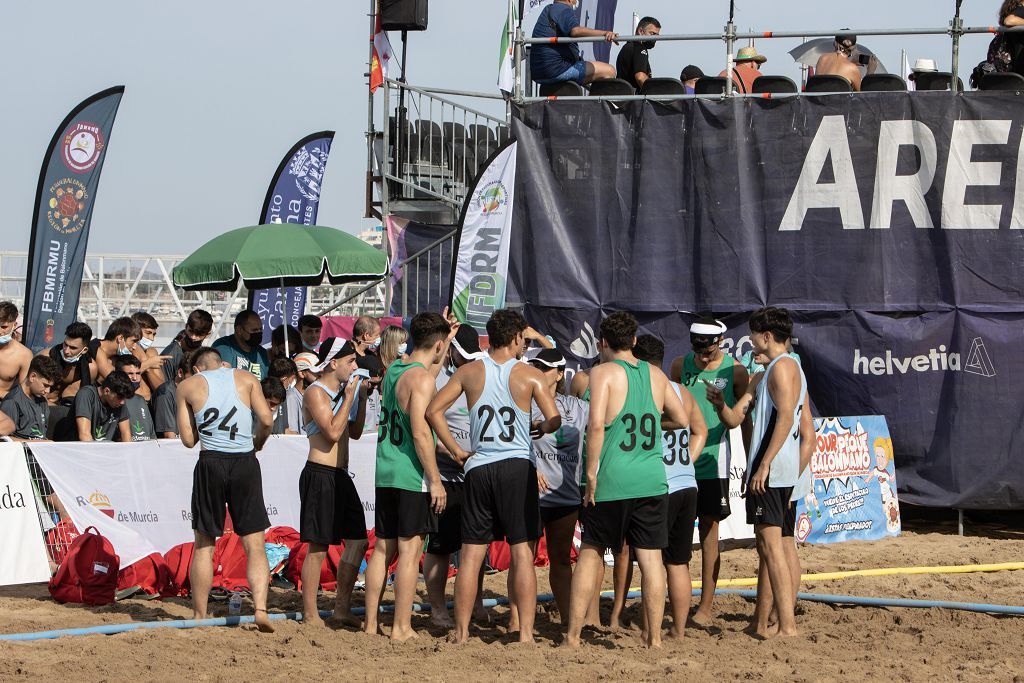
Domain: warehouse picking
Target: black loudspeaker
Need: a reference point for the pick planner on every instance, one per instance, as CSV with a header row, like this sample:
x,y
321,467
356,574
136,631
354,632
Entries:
x,y
403,15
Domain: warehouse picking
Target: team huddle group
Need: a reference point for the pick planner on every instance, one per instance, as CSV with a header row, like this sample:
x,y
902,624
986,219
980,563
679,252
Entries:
x,y
476,446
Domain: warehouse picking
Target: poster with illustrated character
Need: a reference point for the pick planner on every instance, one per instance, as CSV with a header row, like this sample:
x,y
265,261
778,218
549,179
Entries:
x,y
853,483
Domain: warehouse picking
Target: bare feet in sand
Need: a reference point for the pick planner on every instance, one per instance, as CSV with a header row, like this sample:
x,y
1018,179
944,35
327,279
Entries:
x,y
441,619
263,621
402,635
312,619
342,619
701,619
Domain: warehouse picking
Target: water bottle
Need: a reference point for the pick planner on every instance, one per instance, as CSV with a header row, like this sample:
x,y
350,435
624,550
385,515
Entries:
x,y
235,604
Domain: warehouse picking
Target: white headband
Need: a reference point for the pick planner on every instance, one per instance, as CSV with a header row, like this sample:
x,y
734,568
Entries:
x,y
465,354
332,353
705,330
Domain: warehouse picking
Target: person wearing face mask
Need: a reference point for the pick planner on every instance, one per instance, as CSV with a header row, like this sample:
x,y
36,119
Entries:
x,y
144,350
285,370
394,342
15,357
633,64
375,369
242,350
120,340
366,335
310,327
708,363
306,363
77,370
136,422
689,76
197,328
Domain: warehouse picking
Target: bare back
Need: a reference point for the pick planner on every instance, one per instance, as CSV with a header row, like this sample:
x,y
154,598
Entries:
x,y
15,358
835,64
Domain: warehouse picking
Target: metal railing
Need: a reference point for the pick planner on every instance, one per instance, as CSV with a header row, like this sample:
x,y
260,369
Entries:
x,y
955,30
433,147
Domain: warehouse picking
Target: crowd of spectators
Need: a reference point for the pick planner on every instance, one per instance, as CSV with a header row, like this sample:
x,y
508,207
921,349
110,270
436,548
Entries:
x,y
119,387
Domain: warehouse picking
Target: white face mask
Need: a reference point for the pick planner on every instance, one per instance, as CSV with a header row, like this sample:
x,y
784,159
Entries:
x,y
73,359
402,348
374,345
145,343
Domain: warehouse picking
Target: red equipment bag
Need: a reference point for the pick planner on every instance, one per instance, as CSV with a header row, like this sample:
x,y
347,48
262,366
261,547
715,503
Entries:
x,y
288,537
229,564
150,575
178,561
88,573
328,570
60,538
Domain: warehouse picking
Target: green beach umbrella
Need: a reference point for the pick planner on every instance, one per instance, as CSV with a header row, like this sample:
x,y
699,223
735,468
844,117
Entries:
x,y
279,255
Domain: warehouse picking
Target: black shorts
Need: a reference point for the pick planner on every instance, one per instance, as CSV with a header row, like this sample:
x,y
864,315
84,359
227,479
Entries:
x,y
771,509
329,507
448,537
501,503
682,511
403,514
713,499
553,514
789,528
231,480
641,522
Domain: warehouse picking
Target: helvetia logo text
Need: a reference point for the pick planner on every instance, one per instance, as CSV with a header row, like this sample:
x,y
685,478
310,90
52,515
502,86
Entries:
x,y
976,361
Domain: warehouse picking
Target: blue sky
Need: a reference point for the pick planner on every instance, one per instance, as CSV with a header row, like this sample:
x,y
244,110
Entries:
x,y
217,92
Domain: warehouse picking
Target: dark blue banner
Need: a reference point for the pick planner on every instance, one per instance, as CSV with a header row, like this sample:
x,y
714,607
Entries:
x,y
293,197
65,197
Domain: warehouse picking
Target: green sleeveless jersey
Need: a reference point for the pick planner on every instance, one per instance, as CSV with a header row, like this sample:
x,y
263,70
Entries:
x,y
398,466
711,465
631,464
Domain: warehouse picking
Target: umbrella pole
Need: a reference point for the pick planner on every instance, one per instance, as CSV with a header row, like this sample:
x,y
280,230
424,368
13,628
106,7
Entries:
x,y
285,318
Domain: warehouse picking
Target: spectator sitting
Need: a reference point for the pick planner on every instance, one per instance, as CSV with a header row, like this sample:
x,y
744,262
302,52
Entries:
x,y
747,70
274,392
99,408
165,412
290,413
198,327
25,404
310,327
277,343
559,62
1011,15
77,369
14,356
689,76
921,66
120,340
144,350
136,420
839,63
633,64
242,350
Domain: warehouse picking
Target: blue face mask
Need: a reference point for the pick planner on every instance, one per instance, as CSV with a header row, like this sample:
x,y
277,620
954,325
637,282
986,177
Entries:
x,y
145,343
374,345
402,348
308,347
6,339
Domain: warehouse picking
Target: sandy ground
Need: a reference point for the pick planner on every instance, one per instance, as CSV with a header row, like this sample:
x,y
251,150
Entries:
x,y
837,643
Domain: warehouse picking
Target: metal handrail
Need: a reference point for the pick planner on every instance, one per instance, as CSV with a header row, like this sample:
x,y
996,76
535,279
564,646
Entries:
x,y
424,91
421,189
712,98
752,35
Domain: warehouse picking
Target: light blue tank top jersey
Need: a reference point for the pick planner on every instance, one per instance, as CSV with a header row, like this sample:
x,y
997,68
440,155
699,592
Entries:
x,y
675,446
225,423
498,428
784,471
311,428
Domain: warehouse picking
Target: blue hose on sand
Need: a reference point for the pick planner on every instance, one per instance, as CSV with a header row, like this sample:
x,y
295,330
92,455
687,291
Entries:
x,y
111,629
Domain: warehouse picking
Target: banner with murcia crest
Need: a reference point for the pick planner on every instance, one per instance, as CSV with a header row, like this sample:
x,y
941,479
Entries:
x,y
65,197
293,197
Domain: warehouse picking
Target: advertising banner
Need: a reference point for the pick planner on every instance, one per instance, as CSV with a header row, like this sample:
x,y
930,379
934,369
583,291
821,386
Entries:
x,y
139,495
853,483
890,226
24,559
65,197
480,269
293,197
424,283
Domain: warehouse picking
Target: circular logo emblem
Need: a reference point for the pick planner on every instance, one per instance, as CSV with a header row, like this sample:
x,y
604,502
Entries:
x,y
82,146
492,197
803,527
67,205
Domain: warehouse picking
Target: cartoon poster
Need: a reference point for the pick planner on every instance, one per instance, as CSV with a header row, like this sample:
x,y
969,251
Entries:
x,y
853,486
